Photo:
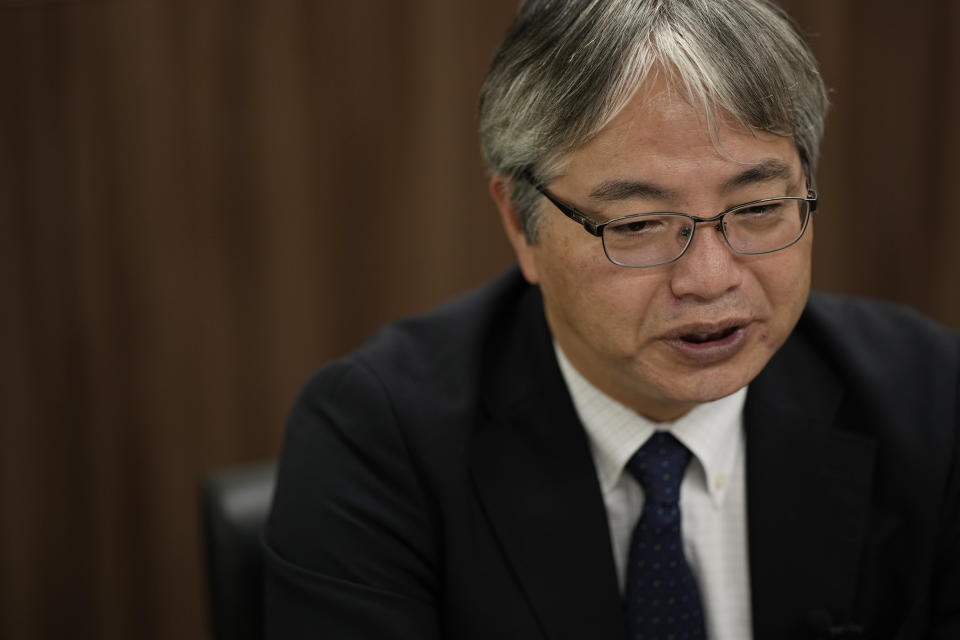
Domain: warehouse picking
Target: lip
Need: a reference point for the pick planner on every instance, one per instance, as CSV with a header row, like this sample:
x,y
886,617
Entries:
x,y
712,351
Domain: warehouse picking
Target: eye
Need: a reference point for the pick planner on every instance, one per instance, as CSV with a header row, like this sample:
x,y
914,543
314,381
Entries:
x,y
761,209
638,226
758,216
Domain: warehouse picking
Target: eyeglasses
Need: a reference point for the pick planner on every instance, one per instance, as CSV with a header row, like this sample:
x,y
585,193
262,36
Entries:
x,y
652,239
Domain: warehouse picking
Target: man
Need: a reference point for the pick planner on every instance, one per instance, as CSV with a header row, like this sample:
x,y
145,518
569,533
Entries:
x,y
648,430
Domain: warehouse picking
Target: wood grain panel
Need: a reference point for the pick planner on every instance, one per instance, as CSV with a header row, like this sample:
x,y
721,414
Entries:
x,y
203,200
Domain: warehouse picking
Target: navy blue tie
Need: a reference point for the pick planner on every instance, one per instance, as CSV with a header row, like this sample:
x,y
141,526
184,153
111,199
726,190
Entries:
x,y
661,599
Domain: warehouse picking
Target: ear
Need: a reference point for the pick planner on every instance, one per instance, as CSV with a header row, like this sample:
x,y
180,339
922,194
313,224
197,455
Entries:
x,y
525,251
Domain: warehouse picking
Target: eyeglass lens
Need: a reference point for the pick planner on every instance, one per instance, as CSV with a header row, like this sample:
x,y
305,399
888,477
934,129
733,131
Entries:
x,y
652,239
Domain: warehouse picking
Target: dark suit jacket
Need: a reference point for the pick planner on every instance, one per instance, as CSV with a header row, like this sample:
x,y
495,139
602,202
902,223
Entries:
x,y
437,484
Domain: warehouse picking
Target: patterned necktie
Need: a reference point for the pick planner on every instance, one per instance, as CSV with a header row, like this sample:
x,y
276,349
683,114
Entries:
x,y
661,599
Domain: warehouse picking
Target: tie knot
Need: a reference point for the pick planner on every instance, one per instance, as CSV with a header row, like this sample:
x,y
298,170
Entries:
x,y
658,466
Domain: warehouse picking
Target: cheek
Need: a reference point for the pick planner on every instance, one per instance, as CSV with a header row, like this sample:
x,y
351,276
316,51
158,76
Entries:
x,y
584,290
567,259
607,306
785,283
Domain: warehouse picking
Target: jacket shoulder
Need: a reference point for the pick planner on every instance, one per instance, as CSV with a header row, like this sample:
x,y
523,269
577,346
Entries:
x,y
900,360
432,361
878,332
450,339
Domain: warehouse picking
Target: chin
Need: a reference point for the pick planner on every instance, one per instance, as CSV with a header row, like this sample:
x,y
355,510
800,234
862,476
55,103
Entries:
x,y
707,386
700,395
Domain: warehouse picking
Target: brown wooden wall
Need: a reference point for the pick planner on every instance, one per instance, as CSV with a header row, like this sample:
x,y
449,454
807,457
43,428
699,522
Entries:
x,y
203,200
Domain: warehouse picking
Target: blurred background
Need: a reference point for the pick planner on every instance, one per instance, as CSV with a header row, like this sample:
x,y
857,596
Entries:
x,y
201,201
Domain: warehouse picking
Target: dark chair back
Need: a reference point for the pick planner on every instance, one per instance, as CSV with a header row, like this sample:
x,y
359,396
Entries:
x,y
235,505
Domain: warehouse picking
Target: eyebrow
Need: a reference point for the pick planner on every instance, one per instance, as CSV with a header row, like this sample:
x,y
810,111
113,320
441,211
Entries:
x,y
618,189
766,170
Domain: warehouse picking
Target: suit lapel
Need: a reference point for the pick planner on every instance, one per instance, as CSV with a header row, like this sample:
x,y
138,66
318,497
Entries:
x,y
809,483
535,478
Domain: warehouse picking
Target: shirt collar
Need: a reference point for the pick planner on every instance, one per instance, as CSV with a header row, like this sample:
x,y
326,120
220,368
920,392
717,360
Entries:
x,y
713,431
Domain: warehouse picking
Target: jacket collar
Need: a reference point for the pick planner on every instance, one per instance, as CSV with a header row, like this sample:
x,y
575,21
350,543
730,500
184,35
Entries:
x,y
535,478
809,483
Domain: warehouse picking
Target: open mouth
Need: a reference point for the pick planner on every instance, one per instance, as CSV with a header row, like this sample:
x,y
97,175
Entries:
x,y
708,343
701,338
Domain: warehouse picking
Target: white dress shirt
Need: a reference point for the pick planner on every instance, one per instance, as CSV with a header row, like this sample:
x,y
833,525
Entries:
x,y
712,494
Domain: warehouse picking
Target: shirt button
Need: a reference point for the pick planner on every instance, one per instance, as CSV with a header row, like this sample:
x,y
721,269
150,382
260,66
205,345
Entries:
x,y
719,482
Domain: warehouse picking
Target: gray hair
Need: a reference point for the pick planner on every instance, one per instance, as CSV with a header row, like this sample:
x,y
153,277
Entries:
x,y
566,68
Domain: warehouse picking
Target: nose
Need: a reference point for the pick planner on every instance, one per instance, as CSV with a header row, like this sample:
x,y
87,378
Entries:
x,y
708,269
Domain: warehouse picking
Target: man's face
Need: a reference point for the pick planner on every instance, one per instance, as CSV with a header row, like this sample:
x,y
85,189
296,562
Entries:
x,y
666,338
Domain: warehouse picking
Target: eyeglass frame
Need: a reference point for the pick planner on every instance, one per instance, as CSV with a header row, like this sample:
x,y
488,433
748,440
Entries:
x,y
597,229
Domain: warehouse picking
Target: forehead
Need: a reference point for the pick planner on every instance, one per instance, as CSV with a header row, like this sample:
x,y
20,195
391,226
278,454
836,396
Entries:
x,y
660,137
